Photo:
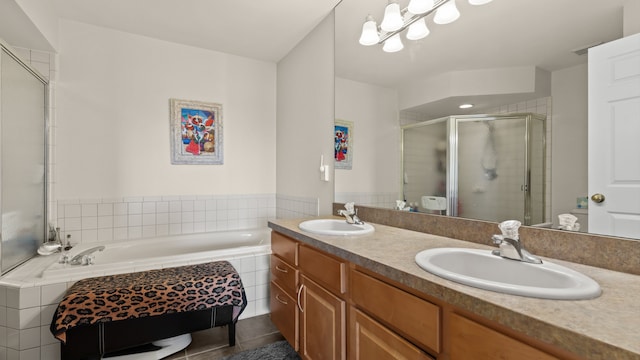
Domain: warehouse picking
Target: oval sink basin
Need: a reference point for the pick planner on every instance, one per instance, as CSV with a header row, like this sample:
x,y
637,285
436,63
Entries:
x,y
335,227
481,269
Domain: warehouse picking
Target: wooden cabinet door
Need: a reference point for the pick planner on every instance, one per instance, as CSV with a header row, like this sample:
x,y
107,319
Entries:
x,y
322,323
369,339
470,340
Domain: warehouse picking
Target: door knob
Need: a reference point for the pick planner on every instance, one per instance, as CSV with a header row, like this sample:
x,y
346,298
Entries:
x,y
598,198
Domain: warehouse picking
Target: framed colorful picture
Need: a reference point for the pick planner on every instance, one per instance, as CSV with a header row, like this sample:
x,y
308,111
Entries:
x,y
343,144
196,132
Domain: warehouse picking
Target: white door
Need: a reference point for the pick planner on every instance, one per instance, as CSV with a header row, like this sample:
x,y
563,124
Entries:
x,y
614,137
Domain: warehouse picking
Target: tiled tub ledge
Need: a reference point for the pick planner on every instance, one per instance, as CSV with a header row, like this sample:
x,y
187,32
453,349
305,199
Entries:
x,y
28,299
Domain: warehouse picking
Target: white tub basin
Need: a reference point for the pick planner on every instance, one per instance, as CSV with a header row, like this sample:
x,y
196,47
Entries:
x,y
335,227
479,268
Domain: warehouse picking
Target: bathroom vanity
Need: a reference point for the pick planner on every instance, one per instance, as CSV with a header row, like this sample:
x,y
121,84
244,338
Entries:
x,y
364,297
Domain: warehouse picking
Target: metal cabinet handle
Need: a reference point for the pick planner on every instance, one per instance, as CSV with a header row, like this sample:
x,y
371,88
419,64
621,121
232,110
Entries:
x,y
300,293
281,269
283,302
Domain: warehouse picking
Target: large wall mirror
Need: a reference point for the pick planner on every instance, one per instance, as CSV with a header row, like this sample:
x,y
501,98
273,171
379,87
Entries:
x,y
504,57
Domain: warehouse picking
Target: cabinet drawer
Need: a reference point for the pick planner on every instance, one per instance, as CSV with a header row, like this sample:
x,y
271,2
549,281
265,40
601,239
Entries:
x,y
414,318
284,274
284,314
324,269
469,340
285,247
371,340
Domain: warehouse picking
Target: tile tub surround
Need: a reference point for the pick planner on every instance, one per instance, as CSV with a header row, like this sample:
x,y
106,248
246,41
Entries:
x,y
602,328
104,220
27,303
605,252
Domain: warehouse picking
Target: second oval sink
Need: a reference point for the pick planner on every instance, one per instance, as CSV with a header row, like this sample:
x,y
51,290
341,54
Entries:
x,y
335,227
481,269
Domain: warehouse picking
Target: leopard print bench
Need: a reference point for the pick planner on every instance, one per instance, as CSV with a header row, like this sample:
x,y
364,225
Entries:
x,y
108,314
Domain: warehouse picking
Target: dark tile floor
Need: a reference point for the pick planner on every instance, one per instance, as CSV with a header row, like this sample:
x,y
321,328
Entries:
x,y
213,344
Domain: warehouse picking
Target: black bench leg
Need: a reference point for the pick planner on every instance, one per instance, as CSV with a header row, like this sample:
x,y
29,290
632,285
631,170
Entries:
x,y
232,333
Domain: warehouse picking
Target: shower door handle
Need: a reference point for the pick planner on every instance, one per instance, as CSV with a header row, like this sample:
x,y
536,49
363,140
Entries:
x,y
597,198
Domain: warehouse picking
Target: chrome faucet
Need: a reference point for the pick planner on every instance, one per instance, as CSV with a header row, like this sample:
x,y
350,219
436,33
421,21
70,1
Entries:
x,y
509,244
85,258
350,214
512,249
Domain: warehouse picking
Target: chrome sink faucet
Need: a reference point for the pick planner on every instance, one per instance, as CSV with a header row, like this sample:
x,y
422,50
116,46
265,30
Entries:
x,y
509,243
350,214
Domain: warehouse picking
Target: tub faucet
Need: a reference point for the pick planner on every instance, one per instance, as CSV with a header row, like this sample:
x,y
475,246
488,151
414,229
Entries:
x,y
85,258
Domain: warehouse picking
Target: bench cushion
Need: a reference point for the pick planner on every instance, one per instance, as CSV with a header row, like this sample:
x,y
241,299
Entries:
x,y
149,293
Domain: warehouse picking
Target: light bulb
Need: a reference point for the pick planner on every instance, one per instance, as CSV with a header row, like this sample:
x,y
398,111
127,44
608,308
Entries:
x,y
392,20
447,13
393,44
418,30
369,32
479,2
422,6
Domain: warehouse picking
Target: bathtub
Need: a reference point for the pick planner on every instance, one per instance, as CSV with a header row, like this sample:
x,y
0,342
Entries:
x,y
160,252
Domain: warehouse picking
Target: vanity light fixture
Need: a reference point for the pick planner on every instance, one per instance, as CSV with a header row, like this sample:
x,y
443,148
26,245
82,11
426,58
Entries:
x,y
465,106
392,20
421,6
393,44
447,13
418,30
397,20
369,34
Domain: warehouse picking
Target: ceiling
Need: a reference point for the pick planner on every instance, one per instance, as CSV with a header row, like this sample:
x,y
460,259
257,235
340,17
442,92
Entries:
x,y
264,30
503,33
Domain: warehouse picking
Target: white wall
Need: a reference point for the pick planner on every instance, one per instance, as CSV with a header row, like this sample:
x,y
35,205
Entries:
x,y
376,138
44,16
305,112
112,130
569,139
30,24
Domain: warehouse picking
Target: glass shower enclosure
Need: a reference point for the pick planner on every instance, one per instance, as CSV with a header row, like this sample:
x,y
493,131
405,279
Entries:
x,y
23,154
486,167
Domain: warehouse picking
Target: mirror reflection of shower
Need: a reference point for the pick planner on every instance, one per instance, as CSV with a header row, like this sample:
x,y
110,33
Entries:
x,y
489,157
488,167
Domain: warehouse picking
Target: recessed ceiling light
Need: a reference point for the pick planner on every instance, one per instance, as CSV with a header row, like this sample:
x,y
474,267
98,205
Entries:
x,y
466,106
